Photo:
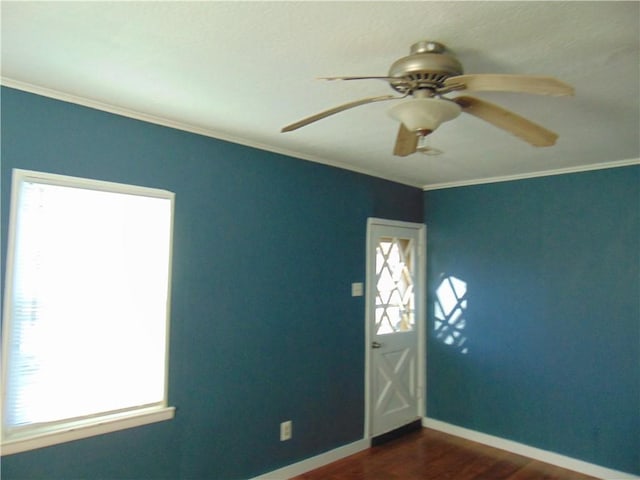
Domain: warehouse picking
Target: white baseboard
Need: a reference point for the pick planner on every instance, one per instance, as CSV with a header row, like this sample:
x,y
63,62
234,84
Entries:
x,y
316,462
530,452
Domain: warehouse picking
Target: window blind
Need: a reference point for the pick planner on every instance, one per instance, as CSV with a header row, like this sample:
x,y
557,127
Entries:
x,y
87,333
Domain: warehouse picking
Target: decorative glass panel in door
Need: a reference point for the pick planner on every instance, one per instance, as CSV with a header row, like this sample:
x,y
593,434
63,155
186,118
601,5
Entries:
x,y
395,270
395,304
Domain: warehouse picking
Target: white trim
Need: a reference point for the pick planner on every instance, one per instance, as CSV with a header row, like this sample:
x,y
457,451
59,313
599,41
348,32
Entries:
x,y
394,223
186,127
318,461
21,175
545,456
86,431
544,173
421,305
66,431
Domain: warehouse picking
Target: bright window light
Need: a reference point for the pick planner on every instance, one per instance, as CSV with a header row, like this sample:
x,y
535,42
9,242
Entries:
x,y
86,313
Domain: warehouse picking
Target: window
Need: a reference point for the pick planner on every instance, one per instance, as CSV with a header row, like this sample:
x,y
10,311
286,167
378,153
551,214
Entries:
x,y
86,309
395,311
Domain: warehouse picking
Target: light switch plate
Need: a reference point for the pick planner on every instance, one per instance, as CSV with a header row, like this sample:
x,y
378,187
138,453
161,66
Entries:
x,y
357,289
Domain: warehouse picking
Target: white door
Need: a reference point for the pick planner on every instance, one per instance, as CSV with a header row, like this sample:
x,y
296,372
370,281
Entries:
x,y
395,324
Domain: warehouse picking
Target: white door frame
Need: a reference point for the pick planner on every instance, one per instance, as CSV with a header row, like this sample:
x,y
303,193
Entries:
x,y
421,307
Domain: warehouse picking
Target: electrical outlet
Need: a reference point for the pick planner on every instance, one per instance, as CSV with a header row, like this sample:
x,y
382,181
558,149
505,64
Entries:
x,y
286,430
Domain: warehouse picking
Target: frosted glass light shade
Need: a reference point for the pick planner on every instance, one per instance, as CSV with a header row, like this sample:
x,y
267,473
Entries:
x,y
424,113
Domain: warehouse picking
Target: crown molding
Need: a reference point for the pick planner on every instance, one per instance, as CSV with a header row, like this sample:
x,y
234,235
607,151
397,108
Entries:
x,y
186,127
544,173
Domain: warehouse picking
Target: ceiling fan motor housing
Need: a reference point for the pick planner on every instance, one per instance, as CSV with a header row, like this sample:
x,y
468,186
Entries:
x,y
427,66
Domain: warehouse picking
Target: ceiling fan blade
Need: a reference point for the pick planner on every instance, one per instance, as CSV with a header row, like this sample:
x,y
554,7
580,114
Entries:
x,y
539,85
519,126
406,142
332,111
358,78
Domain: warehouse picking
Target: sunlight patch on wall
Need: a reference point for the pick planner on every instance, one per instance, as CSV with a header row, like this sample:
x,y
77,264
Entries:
x,y
450,307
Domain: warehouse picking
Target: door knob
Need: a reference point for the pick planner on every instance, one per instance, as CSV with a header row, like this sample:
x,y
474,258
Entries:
x,y
376,345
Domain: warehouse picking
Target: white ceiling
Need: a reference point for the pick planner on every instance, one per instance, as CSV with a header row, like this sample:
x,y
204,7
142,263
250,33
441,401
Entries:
x,y
242,70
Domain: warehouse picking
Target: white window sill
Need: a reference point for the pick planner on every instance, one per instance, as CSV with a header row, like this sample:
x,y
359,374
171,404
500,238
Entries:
x,y
99,427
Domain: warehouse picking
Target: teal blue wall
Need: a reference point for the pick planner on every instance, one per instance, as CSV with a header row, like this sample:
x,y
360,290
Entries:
x,y
552,267
264,328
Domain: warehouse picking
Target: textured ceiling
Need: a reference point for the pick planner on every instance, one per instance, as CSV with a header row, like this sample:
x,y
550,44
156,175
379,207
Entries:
x,y
242,70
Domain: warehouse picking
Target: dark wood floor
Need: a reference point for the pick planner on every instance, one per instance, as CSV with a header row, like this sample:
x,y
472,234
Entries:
x,y
429,454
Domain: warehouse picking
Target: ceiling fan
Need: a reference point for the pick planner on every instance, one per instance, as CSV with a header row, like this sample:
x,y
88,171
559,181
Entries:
x,y
424,77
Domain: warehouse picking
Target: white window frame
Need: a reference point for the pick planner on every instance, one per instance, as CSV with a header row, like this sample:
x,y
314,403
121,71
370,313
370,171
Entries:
x,y
102,423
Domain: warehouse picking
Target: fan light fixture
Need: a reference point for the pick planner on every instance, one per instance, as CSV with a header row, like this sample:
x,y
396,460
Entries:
x,y
424,147
431,71
424,115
